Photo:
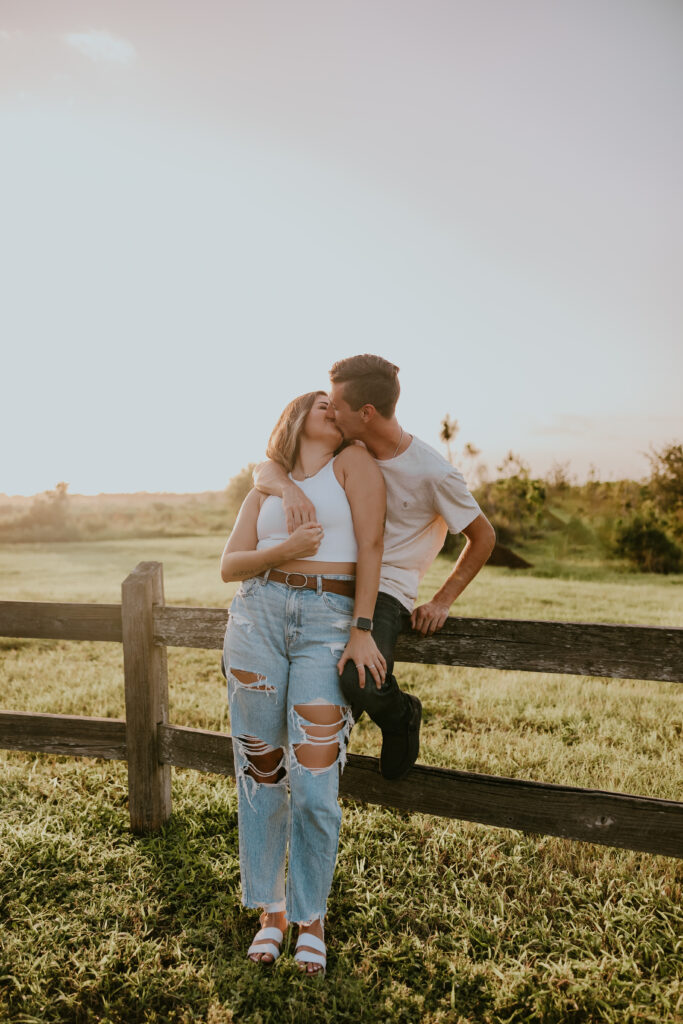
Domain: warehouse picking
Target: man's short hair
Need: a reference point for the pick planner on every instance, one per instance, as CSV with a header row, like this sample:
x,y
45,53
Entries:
x,y
368,380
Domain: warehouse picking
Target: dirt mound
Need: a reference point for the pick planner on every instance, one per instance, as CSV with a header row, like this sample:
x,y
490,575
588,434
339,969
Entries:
x,y
507,558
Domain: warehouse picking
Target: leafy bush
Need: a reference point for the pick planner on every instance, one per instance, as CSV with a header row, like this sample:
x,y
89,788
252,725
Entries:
x,y
647,546
558,479
238,488
514,502
665,486
578,534
48,519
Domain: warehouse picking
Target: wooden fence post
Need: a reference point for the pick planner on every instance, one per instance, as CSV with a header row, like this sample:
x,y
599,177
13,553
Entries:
x,y
146,681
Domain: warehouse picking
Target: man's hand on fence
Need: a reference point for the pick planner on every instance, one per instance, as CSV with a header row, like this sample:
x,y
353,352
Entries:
x,y
430,617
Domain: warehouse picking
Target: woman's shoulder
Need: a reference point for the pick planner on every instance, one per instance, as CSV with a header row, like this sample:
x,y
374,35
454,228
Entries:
x,y
355,454
357,462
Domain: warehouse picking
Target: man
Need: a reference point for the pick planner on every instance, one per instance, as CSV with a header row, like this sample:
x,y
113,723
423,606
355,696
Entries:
x,y
426,497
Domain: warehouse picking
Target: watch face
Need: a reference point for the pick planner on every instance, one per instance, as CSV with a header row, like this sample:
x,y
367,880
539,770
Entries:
x,y
361,623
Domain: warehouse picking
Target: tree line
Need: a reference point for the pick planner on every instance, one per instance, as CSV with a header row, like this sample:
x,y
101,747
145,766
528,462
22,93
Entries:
x,y
637,523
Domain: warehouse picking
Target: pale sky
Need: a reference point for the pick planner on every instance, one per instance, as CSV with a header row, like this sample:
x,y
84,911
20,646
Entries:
x,y
205,205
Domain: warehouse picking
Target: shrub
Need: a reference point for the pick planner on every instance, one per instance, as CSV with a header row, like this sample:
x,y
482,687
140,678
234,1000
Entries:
x,y
578,534
665,486
648,547
558,479
238,488
48,519
514,502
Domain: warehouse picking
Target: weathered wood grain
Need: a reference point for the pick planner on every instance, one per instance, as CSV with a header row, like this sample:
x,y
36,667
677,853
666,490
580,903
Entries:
x,y
146,688
53,620
179,626
63,734
624,652
196,748
610,819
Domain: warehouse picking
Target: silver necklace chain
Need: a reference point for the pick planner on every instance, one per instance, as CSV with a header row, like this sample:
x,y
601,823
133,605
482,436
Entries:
x,y
398,445
307,476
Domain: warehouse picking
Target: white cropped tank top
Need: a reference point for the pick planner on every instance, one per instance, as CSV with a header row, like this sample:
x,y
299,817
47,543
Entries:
x,y
333,512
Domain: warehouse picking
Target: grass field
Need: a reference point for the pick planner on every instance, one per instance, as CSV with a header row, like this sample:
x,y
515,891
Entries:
x,y
429,920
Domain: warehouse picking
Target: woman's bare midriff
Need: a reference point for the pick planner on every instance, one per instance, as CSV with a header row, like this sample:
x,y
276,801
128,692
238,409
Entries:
x,y
319,568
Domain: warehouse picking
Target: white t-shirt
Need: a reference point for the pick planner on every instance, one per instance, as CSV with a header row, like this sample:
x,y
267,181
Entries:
x,y
426,497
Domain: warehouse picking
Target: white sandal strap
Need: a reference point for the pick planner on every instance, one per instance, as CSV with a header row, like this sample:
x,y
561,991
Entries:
x,y
304,957
311,940
264,947
269,933
261,943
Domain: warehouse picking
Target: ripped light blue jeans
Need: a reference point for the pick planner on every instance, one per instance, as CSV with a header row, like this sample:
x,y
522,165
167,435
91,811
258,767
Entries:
x,y
280,654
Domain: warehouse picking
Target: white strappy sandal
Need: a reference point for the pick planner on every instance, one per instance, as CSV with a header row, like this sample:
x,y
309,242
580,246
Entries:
x,y
267,940
305,956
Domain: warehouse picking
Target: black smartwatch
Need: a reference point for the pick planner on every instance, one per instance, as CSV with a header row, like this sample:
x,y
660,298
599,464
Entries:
x,y
360,623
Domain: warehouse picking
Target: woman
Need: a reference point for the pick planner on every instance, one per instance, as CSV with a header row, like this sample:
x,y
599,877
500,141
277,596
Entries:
x,y
308,598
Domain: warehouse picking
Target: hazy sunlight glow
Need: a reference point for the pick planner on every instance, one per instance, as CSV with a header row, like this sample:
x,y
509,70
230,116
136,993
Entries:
x,y
214,205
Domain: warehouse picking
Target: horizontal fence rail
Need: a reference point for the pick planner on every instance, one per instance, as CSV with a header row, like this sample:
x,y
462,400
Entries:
x,y
622,652
574,648
612,819
64,734
52,620
151,745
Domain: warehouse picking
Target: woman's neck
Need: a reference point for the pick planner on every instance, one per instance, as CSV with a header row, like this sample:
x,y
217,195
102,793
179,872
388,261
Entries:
x,y
311,459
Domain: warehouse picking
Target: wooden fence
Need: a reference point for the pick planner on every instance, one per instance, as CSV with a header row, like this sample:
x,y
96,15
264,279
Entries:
x,y
150,744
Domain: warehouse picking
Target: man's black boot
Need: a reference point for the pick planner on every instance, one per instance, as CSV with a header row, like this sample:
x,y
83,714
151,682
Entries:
x,y
400,749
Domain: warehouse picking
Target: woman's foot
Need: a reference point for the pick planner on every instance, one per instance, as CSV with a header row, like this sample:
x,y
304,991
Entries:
x,y
265,949
310,948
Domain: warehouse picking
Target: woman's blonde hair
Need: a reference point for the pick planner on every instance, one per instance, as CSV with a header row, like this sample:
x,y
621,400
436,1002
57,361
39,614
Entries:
x,y
283,444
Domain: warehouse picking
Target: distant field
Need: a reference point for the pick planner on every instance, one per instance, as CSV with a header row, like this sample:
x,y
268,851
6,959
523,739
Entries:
x,y
94,571
429,920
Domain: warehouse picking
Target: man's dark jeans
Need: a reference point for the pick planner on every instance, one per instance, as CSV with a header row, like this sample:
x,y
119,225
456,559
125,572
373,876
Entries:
x,y
388,706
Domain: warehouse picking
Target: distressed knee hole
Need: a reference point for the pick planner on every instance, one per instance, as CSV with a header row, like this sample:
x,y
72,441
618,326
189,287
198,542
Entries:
x,y
325,729
318,713
316,756
250,680
263,763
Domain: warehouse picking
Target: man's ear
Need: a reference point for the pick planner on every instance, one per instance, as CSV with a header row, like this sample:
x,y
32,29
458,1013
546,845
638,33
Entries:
x,y
368,413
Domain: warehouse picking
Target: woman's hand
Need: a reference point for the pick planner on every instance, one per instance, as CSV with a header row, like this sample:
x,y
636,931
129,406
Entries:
x,y
364,652
305,541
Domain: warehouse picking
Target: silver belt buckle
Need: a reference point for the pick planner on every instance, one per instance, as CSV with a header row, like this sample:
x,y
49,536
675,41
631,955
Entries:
x,y
297,586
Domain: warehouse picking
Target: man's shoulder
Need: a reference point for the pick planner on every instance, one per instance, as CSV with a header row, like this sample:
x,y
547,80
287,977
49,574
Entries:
x,y
432,463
